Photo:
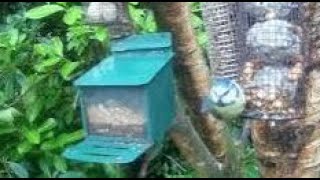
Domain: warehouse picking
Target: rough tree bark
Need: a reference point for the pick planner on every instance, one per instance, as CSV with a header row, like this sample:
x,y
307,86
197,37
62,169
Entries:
x,y
293,149
193,83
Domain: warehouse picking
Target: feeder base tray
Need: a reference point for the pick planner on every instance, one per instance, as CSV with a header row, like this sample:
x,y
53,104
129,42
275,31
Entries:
x,y
99,149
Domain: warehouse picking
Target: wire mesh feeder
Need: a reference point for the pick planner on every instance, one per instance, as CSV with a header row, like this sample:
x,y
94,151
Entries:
x,y
113,14
226,98
275,58
224,48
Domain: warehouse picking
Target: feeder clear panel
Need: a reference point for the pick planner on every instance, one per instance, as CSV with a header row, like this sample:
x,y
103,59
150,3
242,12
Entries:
x,y
115,112
274,59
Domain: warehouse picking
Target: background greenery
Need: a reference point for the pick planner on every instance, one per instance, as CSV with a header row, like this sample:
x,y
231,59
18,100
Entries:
x,y
43,47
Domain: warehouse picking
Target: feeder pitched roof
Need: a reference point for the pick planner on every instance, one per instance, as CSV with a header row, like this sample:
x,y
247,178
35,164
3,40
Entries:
x,y
135,67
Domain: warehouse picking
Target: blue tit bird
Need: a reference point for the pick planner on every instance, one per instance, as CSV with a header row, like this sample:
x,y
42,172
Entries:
x,y
226,99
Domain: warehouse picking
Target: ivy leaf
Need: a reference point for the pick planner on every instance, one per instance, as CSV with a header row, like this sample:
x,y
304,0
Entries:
x,y
31,135
44,166
202,38
150,24
101,34
43,65
62,3
7,128
68,68
72,15
57,46
62,140
18,169
60,164
33,111
137,15
2,98
196,21
48,125
14,36
65,139
43,11
134,3
24,147
4,39
50,145
8,115
195,7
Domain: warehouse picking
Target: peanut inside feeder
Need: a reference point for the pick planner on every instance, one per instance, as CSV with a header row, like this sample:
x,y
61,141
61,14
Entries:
x,y
272,71
120,115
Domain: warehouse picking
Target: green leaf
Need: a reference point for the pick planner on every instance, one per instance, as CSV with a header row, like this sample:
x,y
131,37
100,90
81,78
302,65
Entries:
x,y
48,135
33,136
4,39
150,24
24,147
137,15
2,98
134,3
251,171
202,38
195,7
34,110
28,86
43,11
72,15
196,21
50,145
18,169
8,115
60,164
73,174
65,139
44,166
7,128
48,125
14,36
57,46
62,3
101,34
43,65
68,68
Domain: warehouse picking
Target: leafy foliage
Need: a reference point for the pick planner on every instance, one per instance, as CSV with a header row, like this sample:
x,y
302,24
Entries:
x,y
143,18
37,101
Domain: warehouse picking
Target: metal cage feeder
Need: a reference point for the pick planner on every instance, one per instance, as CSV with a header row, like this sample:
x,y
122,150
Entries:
x,y
262,47
113,14
127,100
276,54
226,98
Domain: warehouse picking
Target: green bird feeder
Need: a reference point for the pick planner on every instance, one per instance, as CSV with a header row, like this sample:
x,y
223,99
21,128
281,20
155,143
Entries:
x,y
127,101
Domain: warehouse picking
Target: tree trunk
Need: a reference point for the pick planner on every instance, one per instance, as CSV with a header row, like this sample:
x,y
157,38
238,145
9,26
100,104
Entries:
x,y
292,149
193,82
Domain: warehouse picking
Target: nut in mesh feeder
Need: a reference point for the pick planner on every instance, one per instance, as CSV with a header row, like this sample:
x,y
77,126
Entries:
x,y
260,47
112,14
127,100
274,60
